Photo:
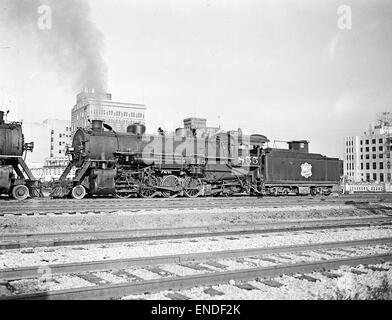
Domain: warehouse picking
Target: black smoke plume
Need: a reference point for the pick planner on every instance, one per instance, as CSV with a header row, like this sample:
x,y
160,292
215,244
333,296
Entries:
x,y
72,46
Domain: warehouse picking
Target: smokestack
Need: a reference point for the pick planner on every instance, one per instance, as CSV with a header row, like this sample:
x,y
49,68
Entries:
x,y
1,117
68,42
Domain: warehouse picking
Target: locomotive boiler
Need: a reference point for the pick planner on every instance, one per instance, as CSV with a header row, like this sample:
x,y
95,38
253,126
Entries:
x,y
139,164
16,179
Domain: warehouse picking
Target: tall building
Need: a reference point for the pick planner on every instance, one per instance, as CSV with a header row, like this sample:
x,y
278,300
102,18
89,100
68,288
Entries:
x,y
51,138
367,158
91,105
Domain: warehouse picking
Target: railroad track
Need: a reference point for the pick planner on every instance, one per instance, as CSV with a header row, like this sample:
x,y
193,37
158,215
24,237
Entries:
x,y
18,241
98,205
208,269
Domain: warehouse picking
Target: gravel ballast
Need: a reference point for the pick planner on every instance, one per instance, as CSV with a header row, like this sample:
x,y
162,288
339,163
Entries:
x,y
57,255
372,285
166,218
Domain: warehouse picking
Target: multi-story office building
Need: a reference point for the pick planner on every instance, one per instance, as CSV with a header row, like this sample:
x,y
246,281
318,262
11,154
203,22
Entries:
x,y
367,158
51,138
92,105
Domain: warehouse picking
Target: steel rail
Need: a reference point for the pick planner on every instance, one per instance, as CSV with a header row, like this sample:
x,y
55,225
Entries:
x,y
74,208
18,241
116,291
200,199
36,271
110,201
237,197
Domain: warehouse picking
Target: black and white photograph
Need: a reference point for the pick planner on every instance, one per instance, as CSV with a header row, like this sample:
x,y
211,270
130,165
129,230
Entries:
x,y
194,156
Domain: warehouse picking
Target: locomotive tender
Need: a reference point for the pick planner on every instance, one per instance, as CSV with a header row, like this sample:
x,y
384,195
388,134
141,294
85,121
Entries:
x,y
16,179
183,164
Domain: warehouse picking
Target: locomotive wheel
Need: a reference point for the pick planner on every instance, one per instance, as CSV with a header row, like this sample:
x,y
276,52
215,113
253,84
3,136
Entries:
x,y
20,192
192,187
147,188
78,192
170,182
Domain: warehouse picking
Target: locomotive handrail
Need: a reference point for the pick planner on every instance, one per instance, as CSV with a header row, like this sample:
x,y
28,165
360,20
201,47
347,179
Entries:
x,y
9,157
96,160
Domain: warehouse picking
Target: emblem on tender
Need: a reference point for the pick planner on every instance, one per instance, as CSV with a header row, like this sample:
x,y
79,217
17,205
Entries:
x,y
306,170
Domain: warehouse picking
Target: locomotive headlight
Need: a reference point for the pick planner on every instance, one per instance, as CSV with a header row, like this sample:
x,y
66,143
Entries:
x,y
28,146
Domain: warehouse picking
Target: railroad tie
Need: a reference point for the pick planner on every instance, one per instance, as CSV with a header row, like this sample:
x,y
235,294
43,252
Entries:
x,y
268,260
195,266
346,250
213,292
246,286
247,261
358,272
159,271
307,278
92,278
127,275
216,264
330,275
271,283
373,268
176,296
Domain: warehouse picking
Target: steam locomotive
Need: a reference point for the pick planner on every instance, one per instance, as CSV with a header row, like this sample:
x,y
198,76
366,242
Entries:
x,y
186,164
16,179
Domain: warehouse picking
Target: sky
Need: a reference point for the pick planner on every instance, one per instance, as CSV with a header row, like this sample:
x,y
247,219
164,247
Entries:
x,y
284,69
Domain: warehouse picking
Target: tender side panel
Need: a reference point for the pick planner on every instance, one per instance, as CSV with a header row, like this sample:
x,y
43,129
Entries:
x,y
288,167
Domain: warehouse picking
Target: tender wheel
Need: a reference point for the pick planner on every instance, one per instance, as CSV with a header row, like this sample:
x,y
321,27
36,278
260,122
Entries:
x,y
192,187
171,182
78,192
147,189
20,192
